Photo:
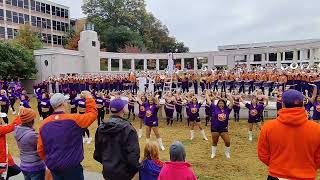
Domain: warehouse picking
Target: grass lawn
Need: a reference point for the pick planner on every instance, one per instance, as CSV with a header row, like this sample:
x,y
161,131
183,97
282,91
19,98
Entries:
x,y
244,163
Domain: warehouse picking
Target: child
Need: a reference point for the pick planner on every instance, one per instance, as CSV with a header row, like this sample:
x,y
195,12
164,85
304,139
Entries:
x,y
31,165
151,165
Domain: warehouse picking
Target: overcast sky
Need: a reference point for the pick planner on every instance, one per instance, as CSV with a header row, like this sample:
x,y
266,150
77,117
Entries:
x,y
204,24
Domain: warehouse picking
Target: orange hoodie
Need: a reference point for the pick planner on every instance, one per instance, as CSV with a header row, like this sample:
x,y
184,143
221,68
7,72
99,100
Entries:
x,y
290,145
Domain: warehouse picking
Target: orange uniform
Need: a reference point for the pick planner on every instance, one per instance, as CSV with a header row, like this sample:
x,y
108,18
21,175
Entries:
x,y
295,155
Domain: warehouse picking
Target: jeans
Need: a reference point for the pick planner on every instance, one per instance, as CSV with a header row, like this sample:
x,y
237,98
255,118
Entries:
x,y
75,173
40,175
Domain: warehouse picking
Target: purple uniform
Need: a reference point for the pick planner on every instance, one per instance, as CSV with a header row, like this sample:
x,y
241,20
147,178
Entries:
x,y
194,111
220,119
151,118
254,112
236,105
100,102
169,109
45,105
25,103
178,106
4,101
131,105
316,111
142,110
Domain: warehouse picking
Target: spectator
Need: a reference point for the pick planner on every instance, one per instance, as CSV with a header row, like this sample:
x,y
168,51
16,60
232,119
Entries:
x,y
177,168
117,145
290,145
31,165
5,157
60,141
151,165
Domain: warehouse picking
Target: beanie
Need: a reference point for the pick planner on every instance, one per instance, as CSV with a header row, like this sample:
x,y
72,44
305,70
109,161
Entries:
x,y
27,115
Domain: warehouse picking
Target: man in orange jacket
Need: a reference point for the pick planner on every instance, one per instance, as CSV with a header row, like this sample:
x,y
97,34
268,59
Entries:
x,y
290,145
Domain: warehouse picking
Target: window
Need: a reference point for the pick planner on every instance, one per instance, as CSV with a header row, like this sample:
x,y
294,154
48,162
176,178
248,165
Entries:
x,y
257,58
62,13
26,19
14,2
94,44
49,38
63,27
10,33
38,22
37,6
66,13
55,40
20,3
57,11
44,38
26,4
1,14
103,64
67,27
58,26
15,17
44,23
33,5
21,18
48,9
2,32
59,40
8,2
54,25
33,21
43,7
48,24
9,16
53,10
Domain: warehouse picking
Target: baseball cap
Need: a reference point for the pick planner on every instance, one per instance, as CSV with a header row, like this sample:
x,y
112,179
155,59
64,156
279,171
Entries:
x,y
292,98
57,99
117,105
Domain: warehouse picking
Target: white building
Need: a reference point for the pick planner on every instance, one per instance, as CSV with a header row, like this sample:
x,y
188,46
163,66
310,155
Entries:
x,y
50,20
89,59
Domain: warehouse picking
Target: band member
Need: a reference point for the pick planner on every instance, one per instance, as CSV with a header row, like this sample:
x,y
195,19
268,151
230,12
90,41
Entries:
x,y
219,123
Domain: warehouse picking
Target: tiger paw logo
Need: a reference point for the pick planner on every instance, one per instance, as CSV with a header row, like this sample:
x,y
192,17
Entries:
x,y
142,108
148,113
253,112
222,117
194,110
318,108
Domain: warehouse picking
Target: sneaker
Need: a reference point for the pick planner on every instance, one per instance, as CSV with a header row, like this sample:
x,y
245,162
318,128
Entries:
x,y
162,148
227,155
250,138
213,156
84,140
13,113
89,140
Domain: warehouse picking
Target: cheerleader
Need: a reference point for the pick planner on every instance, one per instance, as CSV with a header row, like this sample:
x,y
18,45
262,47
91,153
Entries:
x,y
24,102
236,106
81,104
100,101
194,117
219,123
315,100
107,102
5,103
142,102
131,106
151,119
170,102
73,103
262,100
46,109
12,98
255,110
207,109
178,105
278,95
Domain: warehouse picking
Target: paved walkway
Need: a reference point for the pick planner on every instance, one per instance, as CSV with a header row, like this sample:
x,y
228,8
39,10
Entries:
x,y
87,175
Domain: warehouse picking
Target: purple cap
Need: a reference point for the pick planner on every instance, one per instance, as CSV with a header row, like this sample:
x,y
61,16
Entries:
x,y
292,97
117,105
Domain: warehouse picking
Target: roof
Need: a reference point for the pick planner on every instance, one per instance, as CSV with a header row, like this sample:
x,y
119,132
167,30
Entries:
x,y
266,44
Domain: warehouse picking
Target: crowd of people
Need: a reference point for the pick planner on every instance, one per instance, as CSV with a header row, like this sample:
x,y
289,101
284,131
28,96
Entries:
x,y
58,148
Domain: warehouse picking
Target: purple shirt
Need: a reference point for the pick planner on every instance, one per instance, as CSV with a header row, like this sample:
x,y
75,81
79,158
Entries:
x,y
316,111
151,118
4,101
220,118
254,112
194,111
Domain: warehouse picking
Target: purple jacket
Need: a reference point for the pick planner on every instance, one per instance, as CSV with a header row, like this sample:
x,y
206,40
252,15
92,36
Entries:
x,y
27,140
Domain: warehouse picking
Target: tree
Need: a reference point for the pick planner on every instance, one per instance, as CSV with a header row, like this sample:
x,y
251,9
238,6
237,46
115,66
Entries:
x,y
16,61
28,38
108,15
116,38
72,39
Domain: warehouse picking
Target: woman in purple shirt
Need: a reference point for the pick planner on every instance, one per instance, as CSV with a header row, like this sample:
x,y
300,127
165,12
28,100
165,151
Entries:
x,y
142,112
255,111
4,103
169,107
315,100
194,117
219,123
151,118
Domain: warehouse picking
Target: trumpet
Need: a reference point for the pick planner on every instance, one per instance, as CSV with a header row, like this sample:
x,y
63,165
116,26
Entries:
x,y
284,68
204,68
294,66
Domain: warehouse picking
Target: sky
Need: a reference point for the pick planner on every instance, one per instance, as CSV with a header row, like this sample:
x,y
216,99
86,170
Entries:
x,y
205,24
